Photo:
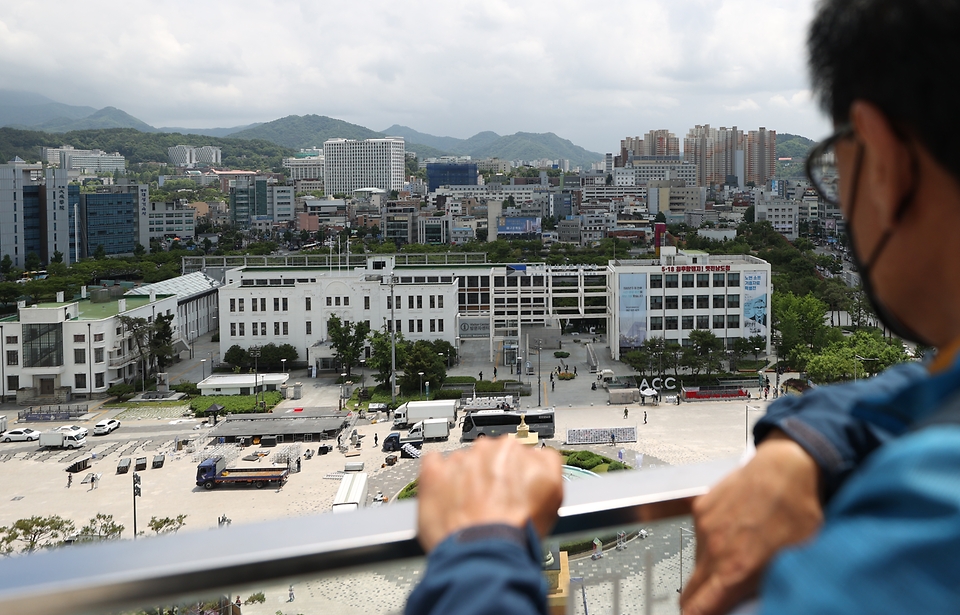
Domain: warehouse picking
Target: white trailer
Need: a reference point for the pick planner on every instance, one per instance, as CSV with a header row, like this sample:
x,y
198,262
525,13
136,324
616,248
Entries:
x,y
352,494
416,411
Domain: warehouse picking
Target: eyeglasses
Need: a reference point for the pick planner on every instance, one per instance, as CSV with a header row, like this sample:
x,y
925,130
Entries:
x,y
822,166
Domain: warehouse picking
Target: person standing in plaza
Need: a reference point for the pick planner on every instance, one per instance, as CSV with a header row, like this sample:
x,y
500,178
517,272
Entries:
x,y
644,417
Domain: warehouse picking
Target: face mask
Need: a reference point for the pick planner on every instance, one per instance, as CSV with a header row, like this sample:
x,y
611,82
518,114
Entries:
x,y
889,320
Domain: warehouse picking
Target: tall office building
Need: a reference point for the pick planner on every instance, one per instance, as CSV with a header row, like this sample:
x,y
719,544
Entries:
x,y
115,217
189,156
258,202
349,165
36,212
659,143
698,147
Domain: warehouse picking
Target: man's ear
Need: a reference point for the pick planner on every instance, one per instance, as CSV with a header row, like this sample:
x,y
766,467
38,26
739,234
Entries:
x,y
886,168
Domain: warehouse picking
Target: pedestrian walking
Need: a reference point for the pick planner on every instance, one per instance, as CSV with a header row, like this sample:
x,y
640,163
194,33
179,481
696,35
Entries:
x,y
613,438
644,417
551,376
376,440
69,480
481,375
553,385
494,374
574,370
291,594
626,412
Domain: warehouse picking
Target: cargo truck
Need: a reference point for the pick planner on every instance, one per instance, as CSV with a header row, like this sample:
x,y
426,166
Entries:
x,y
352,494
416,411
430,429
214,471
58,439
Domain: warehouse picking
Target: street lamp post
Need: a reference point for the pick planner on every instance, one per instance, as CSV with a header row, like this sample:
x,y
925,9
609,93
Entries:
x,y
283,362
193,337
203,369
363,363
255,353
539,379
421,384
343,390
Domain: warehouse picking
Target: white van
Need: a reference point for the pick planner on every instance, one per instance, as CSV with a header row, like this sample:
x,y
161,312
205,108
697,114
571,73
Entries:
x,y
352,494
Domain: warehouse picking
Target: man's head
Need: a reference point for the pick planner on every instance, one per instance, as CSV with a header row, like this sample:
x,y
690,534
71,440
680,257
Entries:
x,y
880,68
900,55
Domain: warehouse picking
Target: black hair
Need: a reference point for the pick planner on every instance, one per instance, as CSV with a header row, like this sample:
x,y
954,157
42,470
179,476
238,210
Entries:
x,y
900,55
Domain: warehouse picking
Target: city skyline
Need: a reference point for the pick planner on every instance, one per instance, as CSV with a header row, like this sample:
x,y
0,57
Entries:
x,y
590,76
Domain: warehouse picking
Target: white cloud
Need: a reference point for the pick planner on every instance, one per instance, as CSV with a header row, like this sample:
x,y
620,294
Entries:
x,y
455,68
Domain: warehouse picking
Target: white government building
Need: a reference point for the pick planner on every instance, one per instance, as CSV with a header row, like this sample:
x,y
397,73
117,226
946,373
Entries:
x,y
460,296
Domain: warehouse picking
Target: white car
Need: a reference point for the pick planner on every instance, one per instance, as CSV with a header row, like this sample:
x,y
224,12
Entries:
x,y
105,426
23,434
74,430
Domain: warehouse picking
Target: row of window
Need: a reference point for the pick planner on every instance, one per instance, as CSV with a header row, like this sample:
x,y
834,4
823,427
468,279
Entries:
x,y
79,356
434,301
416,325
260,328
686,280
79,381
720,321
686,302
79,338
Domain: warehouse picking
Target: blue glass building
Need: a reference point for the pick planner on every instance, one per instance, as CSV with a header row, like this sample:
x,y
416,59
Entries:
x,y
451,174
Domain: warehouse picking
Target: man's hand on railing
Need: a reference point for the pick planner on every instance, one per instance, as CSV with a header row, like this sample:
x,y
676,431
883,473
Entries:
x,y
771,503
495,481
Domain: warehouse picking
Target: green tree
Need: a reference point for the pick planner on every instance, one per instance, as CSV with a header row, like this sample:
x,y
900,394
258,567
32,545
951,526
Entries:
x,y
422,358
704,353
161,341
31,534
237,356
6,265
57,257
660,217
347,339
100,253
32,262
167,525
139,250
380,354
749,215
101,527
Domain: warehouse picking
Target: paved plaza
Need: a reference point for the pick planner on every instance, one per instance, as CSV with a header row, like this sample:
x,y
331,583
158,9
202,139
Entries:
x,y
35,481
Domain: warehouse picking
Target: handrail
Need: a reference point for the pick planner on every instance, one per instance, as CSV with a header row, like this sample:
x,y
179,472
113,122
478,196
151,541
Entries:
x,y
124,574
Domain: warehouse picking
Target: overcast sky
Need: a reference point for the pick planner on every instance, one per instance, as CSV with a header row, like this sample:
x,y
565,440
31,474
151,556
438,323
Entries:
x,y
589,72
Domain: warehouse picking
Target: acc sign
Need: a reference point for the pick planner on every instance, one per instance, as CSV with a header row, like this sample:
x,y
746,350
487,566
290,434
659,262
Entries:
x,y
669,383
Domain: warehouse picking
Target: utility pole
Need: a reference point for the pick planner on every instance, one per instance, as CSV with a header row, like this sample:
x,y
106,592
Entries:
x,y
393,343
539,372
255,353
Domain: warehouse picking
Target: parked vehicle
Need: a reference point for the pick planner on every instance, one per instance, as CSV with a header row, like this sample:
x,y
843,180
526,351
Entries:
x,y
214,471
105,426
430,429
59,439
23,434
393,442
498,422
415,411
352,494
73,429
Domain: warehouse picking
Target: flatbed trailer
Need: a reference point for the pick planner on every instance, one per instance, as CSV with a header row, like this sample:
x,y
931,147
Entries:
x,y
213,472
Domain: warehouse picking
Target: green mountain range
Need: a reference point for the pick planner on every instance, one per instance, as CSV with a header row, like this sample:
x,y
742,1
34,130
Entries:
x,y
793,146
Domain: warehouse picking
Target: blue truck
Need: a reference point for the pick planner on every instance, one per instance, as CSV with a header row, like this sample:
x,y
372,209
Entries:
x,y
214,471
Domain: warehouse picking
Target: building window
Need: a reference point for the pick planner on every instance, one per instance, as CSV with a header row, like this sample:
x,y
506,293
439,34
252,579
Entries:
x,y
733,301
241,330
233,305
703,322
263,304
733,321
703,280
389,302
13,382
336,301
433,302
98,355
672,302
307,303
309,328
440,325
686,322
254,329
656,323
419,326
346,300
733,279
286,328
410,302
433,327
671,280
687,280
440,303
240,305
98,337
276,327
12,339
719,301
263,328
98,377
276,304
410,326
79,339
366,303
13,357
718,279
687,302
419,302
671,322
79,355
656,302
656,280
703,302
253,305
79,381
718,321
233,329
